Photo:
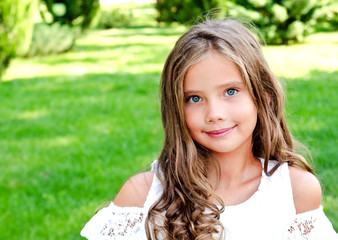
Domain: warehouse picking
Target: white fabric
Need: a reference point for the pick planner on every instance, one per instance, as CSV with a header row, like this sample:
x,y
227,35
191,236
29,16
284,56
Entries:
x,y
269,214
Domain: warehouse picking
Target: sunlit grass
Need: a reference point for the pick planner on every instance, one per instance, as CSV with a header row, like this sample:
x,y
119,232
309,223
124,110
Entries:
x,y
75,126
318,53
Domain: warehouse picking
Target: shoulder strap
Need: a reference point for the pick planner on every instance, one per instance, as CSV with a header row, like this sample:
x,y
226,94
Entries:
x,y
279,186
156,190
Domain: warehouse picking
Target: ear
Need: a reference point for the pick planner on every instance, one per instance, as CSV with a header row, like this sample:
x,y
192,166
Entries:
x,y
268,97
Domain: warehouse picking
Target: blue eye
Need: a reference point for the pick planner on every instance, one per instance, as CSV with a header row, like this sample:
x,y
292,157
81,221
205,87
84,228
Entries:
x,y
194,99
230,92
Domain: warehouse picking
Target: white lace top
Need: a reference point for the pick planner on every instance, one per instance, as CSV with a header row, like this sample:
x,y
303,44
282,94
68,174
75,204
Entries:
x,y
267,215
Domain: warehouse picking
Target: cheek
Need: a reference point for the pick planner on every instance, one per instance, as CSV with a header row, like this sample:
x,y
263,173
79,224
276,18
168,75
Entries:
x,y
252,117
188,117
191,118
246,112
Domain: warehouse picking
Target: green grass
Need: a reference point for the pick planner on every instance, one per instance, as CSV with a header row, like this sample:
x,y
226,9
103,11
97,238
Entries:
x,y
75,126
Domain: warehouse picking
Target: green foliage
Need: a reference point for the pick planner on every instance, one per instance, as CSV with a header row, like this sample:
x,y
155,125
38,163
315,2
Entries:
x,y
73,12
16,26
280,21
114,18
327,16
284,21
6,52
183,11
51,39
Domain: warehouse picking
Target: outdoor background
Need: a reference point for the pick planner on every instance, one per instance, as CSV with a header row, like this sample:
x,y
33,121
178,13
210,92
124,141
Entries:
x,y
80,115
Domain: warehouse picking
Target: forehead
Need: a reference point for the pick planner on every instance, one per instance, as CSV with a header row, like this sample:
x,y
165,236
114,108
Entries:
x,y
214,69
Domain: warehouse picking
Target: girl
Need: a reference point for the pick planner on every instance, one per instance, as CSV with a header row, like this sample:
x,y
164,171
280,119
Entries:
x,y
228,169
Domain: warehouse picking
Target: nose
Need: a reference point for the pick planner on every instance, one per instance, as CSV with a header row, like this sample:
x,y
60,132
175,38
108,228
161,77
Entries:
x,y
215,112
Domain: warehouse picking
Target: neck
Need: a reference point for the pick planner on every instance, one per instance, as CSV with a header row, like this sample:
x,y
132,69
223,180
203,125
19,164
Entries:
x,y
236,166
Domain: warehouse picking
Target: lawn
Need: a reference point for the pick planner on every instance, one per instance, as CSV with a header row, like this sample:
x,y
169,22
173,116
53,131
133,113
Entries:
x,y
75,126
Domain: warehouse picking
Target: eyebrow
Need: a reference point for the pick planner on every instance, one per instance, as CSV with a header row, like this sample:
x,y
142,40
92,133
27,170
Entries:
x,y
226,85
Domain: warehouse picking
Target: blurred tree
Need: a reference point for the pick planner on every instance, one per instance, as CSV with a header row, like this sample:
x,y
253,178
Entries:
x,y
327,16
280,21
73,12
16,27
114,18
183,11
283,21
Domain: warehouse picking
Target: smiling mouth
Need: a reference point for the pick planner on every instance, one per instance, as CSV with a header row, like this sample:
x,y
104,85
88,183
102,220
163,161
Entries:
x,y
221,132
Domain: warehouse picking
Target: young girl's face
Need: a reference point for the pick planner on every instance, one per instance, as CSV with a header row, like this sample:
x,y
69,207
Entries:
x,y
219,111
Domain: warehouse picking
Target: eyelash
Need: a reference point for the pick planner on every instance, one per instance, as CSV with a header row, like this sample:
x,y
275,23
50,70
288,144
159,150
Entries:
x,y
189,99
226,93
232,89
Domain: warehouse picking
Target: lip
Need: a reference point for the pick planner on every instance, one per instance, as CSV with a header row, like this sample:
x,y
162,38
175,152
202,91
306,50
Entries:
x,y
220,132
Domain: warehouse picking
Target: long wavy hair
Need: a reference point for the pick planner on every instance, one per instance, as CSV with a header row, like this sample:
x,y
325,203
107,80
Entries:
x,y
185,209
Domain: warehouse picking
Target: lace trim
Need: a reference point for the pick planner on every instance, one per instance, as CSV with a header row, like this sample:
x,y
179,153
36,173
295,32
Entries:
x,y
304,227
123,227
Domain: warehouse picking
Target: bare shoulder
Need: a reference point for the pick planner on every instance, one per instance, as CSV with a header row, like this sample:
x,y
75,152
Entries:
x,y
135,190
307,192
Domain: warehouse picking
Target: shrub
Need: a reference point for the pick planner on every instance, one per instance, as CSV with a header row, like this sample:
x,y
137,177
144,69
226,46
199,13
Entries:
x,y
73,12
6,50
51,39
16,26
183,11
281,21
114,18
327,16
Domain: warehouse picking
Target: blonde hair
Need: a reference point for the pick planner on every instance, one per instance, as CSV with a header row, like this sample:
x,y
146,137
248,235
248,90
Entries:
x,y
185,209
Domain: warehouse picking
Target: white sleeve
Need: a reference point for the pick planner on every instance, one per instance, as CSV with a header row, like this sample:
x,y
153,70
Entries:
x,y
312,225
115,222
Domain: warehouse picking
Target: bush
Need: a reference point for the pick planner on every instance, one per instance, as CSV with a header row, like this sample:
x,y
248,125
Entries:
x,y
114,18
6,50
327,16
51,39
183,11
282,21
16,26
73,12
